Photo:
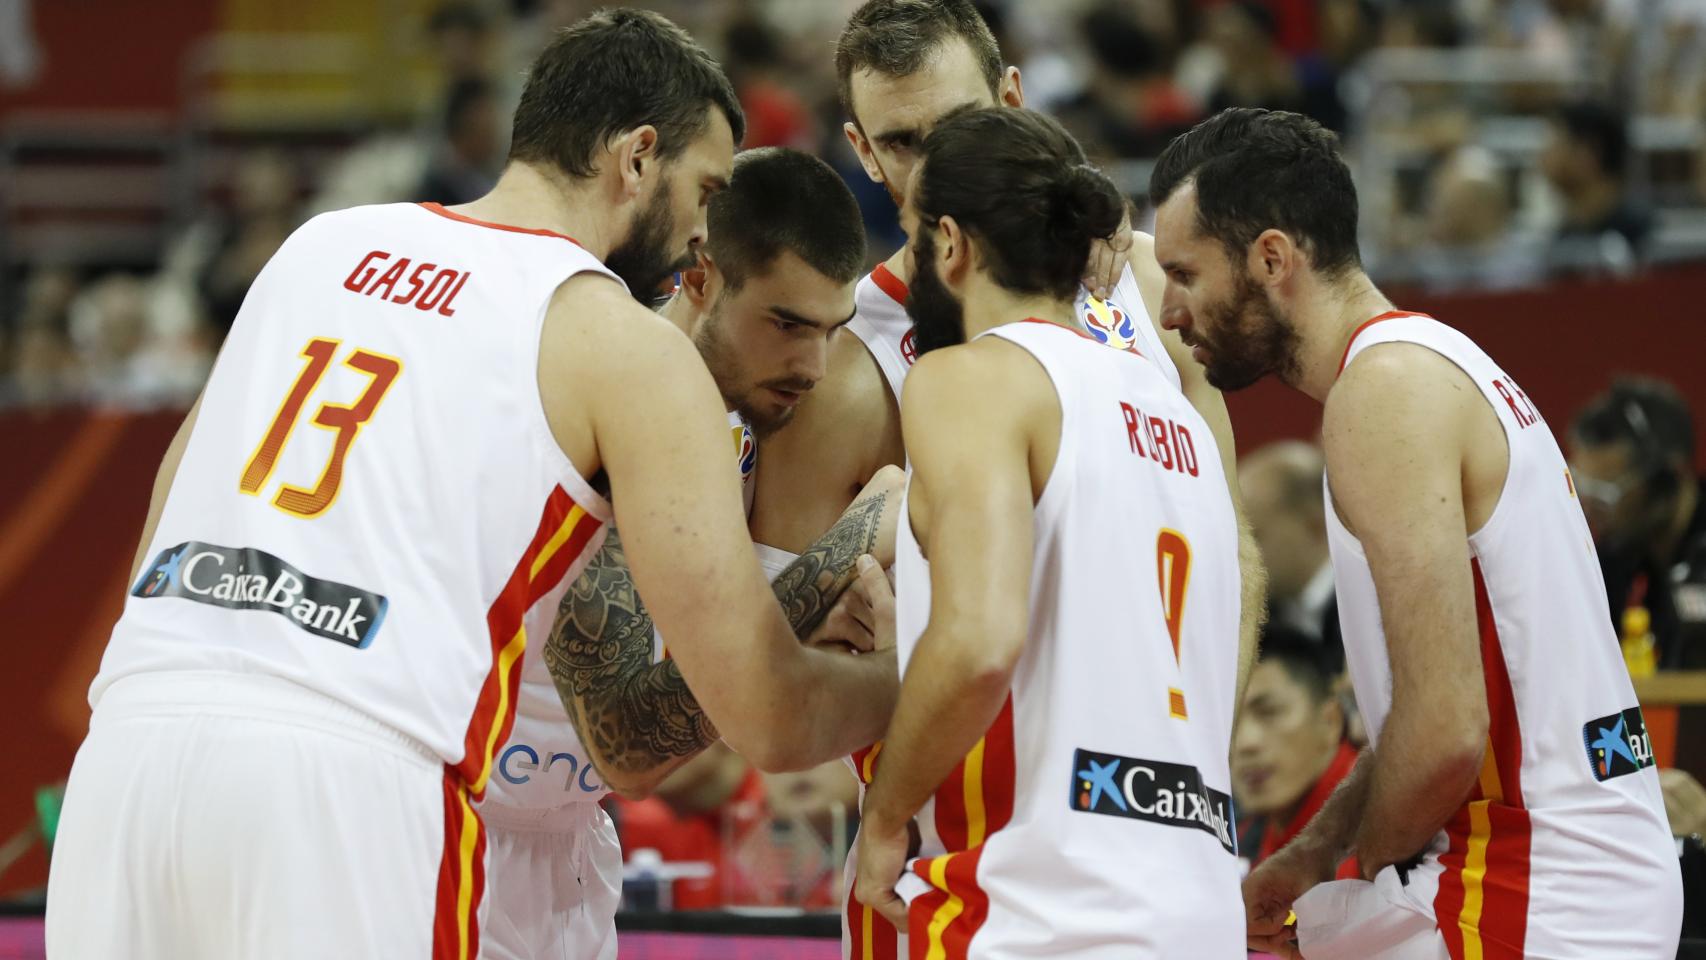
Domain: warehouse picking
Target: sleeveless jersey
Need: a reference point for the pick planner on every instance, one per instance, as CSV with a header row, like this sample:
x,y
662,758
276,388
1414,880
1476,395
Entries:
x,y
543,764
399,555
881,323
1094,817
1562,849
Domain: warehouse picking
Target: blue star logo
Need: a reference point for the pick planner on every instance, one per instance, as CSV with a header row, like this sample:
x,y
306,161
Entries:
x,y
166,573
1612,742
1099,780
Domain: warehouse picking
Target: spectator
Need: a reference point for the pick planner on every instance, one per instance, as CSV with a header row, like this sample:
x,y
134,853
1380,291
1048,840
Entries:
x,y
466,162
1255,71
1290,749
1130,106
1282,492
462,41
1632,460
231,248
1469,241
775,114
1603,228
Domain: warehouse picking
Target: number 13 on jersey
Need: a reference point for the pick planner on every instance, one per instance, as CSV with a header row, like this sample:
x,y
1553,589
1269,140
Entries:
x,y
345,420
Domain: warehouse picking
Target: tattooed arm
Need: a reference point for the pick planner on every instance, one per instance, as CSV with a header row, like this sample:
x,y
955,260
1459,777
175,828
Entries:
x,y
637,719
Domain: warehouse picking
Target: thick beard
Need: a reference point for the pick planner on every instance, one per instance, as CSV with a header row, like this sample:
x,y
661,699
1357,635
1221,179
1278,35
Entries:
x,y
643,258
938,320
1252,339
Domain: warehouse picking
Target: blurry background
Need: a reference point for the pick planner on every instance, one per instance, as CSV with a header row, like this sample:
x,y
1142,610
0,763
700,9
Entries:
x,y
1531,171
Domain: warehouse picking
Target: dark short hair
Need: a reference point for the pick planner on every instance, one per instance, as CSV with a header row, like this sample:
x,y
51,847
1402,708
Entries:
x,y
1257,170
610,73
1017,183
1308,661
1599,128
784,200
1646,413
897,37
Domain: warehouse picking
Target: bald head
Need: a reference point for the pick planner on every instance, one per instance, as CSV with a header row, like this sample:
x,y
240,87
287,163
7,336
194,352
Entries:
x,y
1281,484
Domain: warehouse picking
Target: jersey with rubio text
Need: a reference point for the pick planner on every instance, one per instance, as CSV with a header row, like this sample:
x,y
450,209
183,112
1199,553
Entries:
x,y
1562,849
1094,818
371,503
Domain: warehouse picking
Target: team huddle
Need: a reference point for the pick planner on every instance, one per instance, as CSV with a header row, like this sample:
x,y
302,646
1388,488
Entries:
x,y
984,544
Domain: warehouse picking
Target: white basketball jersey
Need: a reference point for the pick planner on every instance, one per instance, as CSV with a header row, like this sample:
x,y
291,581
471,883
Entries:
x,y
1093,819
543,764
1562,849
371,503
881,323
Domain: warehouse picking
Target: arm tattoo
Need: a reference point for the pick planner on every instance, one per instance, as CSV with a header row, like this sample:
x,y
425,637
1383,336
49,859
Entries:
x,y
634,715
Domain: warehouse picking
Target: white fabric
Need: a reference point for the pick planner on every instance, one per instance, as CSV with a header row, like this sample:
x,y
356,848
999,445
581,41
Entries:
x,y
1358,920
1601,878
443,488
555,881
211,816
1096,674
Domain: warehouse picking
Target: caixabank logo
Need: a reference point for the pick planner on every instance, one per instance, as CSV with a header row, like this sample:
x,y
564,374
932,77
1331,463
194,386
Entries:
x,y
1617,745
1171,794
243,578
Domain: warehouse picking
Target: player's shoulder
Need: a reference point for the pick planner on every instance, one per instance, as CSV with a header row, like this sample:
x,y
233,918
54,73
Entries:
x,y
992,373
595,327
1395,392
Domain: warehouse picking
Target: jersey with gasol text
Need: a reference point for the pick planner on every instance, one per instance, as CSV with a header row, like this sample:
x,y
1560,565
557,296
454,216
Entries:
x,y
1562,848
1094,818
371,503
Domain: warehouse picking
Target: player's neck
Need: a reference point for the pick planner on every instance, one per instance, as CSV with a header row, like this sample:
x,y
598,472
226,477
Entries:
x,y
896,264
527,197
989,305
679,311
1327,315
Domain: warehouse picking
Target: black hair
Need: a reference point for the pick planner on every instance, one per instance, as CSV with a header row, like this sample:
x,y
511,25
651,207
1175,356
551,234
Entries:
x,y
1601,129
1016,182
780,199
610,73
1257,170
464,94
1309,662
897,37
1649,415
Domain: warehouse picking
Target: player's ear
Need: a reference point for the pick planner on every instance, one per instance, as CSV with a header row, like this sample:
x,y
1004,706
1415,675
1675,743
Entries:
x,y
953,250
1011,91
698,280
1272,258
636,153
862,147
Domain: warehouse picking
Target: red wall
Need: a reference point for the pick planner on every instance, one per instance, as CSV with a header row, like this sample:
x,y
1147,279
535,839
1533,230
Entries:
x,y
74,490
110,54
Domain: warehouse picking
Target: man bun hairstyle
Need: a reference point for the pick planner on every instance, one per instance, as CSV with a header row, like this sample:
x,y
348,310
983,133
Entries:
x,y
612,72
1016,182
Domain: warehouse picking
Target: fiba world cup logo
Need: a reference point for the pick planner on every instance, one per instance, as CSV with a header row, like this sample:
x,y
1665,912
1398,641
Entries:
x,y
746,450
1109,324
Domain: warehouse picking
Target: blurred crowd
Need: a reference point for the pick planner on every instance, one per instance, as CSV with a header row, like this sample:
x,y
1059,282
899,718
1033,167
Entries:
x,y
1498,143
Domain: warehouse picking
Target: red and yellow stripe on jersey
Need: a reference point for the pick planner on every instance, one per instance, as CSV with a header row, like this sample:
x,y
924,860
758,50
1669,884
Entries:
x,y
869,936
1482,901
973,803
565,531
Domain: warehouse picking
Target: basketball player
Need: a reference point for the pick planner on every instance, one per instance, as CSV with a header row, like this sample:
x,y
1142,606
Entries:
x,y
301,701
902,66
772,285
1506,806
1066,584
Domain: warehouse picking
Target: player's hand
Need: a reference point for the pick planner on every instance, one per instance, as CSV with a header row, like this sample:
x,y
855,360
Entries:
x,y
882,857
851,624
889,483
1272,888
1108,259
1685,802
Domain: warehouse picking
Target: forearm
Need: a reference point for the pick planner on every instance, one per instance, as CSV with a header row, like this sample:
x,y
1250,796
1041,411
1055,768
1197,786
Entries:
x,y
162,486
1252,610
853,698
945,709
1412,797
809,586
1333,830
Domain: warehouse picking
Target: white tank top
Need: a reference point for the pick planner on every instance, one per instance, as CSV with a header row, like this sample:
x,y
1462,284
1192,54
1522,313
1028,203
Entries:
x,y
371,503
543,764
1095,813
1562,849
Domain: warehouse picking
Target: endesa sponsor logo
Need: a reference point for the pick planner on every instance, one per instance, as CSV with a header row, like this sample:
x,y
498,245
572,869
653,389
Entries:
x,y
1171,794
243,578
521,762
